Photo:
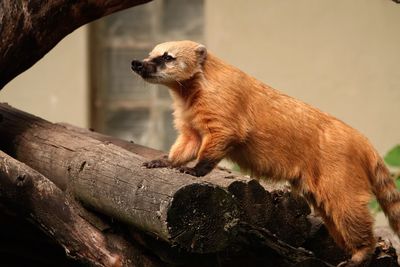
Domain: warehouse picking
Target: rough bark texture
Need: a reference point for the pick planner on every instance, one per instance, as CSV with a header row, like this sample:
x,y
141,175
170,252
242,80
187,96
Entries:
x,y
220,220
29,29
111,180
35,197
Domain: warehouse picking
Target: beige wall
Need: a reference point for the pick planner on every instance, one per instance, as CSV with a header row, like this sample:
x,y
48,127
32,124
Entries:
x,y
56,87
341,56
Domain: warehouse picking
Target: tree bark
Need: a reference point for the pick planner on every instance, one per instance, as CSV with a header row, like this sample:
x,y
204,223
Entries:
x,y
35,197
29,29
173,206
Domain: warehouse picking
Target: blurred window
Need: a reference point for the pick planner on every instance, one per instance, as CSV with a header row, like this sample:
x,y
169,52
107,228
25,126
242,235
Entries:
x,y
122,104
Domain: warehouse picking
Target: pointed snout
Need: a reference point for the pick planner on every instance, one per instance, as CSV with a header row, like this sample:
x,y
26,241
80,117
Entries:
x,y
144,68
137,66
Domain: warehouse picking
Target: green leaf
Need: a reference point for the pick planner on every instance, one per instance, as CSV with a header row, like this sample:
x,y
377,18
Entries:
x,y
374,206
392,158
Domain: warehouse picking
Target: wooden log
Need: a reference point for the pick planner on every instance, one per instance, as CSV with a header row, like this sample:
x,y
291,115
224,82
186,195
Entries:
x,y
178,208
193,213
146,152
29,29
35,197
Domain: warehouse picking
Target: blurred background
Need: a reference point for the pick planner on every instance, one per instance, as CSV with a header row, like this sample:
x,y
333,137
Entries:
x,y
340,56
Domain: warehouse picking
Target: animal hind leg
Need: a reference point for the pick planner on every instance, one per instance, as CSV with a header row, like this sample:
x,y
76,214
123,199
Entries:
x,y
328,221
330,225
354,223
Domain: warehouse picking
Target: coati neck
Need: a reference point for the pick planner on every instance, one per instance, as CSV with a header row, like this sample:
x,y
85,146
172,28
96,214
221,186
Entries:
x,y
187,90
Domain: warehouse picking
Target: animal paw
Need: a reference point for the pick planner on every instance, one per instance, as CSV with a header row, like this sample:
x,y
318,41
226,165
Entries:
x,y
188,170
157,163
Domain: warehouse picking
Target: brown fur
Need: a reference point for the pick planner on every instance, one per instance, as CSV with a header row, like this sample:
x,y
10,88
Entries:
x,y
221,112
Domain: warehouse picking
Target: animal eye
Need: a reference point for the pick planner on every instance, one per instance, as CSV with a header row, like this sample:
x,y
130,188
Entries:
x,y
167,57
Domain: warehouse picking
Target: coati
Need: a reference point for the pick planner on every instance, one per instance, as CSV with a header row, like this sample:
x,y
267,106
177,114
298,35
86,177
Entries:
x,y
221,112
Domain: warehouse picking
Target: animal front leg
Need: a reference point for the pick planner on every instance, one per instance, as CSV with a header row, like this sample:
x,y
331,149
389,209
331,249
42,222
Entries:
x,y
213,150
184,150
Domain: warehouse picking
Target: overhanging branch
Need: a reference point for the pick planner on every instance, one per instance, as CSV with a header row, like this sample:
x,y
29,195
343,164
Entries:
x,y
29,29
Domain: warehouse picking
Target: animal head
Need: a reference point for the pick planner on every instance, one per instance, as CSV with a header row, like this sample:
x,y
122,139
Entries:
x,y
171,62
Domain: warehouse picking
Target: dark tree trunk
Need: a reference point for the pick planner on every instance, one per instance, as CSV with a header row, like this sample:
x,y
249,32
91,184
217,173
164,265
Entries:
x,y
30,28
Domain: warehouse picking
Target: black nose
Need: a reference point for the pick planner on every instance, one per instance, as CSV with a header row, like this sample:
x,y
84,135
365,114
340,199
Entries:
x,y
137,65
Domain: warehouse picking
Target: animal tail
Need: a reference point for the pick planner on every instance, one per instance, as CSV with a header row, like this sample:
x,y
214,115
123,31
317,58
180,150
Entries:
x,y
387,195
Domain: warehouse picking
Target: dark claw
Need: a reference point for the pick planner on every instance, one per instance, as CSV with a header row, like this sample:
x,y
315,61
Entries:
x,y
157,163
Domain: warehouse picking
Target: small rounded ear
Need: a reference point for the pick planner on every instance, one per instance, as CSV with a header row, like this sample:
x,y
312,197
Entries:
x,y
201,52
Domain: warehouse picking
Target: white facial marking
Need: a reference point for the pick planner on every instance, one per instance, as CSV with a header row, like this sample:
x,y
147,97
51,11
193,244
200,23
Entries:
x,y
182,65
160,49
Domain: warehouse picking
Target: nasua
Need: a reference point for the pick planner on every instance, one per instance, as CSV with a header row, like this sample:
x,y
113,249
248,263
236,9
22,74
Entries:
x,y
222,112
